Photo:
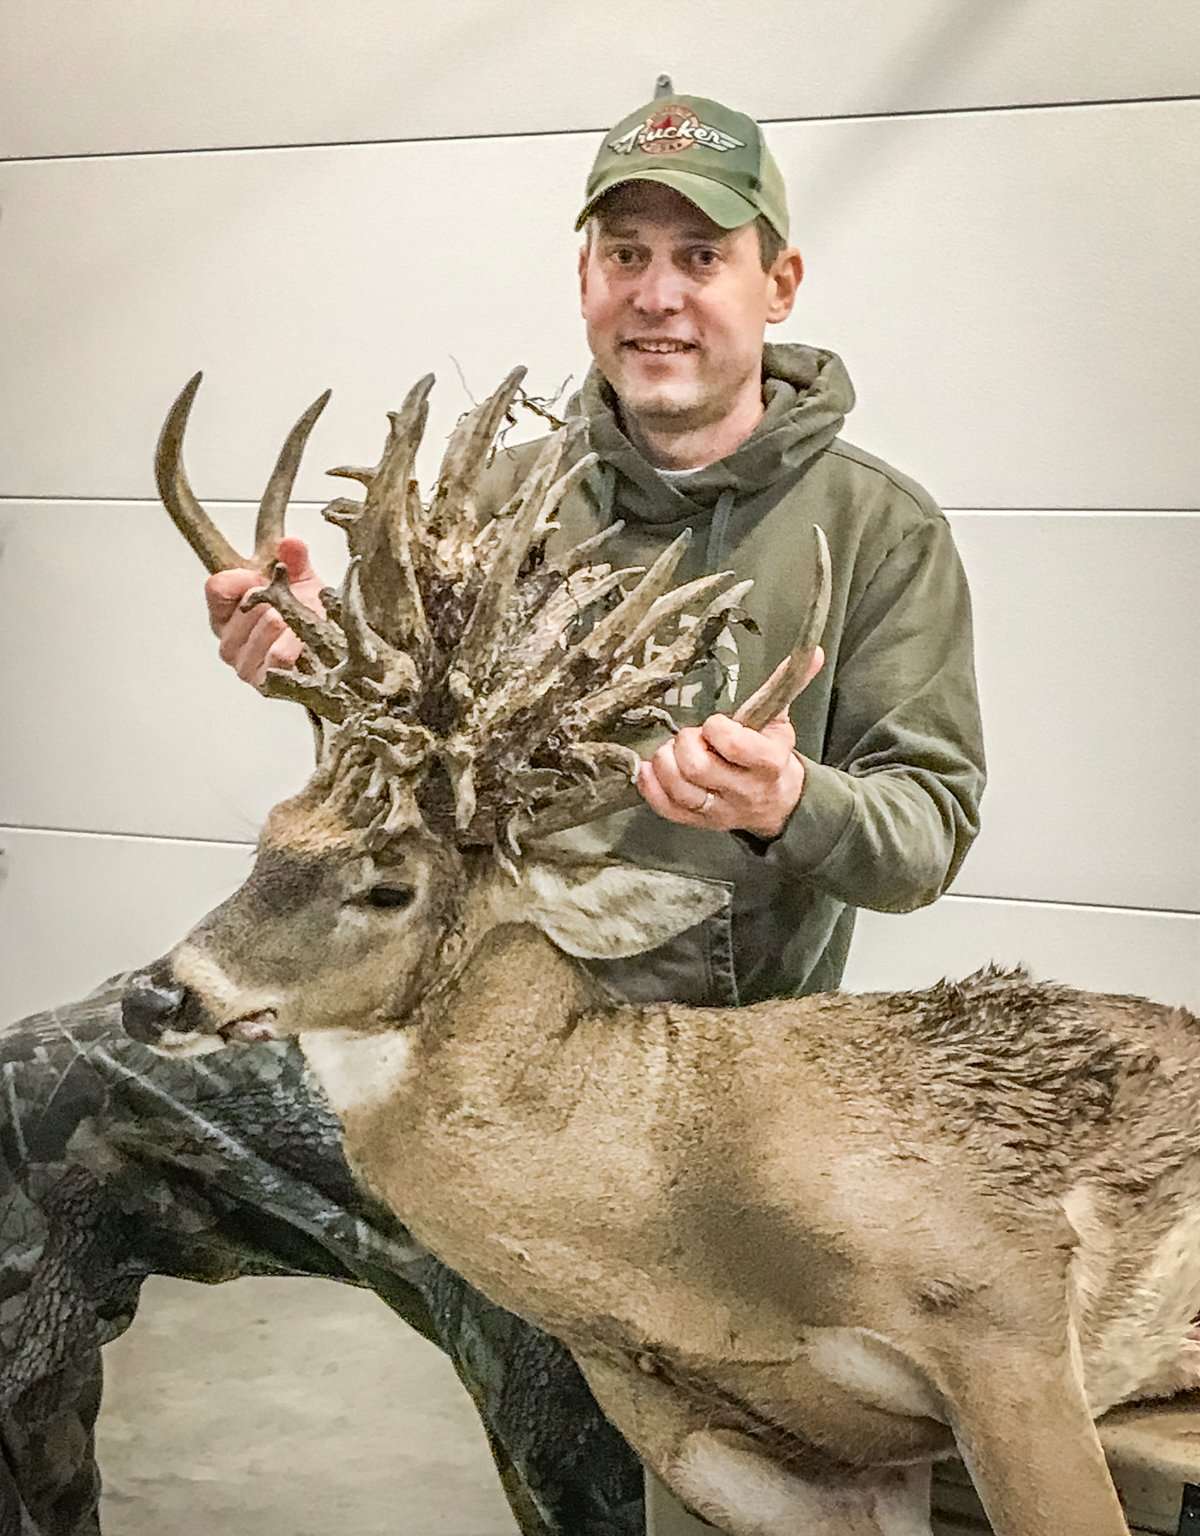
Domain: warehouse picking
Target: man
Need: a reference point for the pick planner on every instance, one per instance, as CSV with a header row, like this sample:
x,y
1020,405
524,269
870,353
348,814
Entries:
x,y
125,1164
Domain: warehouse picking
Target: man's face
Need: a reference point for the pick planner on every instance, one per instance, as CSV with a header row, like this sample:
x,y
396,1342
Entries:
x,y
675,307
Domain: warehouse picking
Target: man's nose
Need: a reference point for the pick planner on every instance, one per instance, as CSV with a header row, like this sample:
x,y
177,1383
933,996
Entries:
x,y
152,1004
661,289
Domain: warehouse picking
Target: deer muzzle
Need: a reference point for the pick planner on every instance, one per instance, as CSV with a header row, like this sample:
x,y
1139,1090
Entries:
x,y
159,1010
155,1003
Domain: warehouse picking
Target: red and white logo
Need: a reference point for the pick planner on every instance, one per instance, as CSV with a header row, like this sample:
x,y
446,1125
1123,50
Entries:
x,y
670,129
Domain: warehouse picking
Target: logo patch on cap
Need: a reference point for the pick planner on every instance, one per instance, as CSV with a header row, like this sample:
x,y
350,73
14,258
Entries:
x,y
669,130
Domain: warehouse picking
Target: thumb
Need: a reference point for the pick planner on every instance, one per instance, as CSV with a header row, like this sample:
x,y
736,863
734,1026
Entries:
x,y
780,729
294,554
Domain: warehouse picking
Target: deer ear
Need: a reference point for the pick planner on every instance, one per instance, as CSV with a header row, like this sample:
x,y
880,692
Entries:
x,y
609,911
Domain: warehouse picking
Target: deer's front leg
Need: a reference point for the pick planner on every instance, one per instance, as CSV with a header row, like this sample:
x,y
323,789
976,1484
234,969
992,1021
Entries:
x,y
1026,1434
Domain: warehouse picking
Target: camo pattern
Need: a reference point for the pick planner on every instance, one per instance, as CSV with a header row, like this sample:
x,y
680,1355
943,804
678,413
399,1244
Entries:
x,y
116,1163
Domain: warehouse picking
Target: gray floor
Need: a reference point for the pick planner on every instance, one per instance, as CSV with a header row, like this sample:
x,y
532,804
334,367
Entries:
x,y
287,1408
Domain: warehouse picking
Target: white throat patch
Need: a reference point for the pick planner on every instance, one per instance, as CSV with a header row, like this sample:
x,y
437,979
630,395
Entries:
x,y
357,1071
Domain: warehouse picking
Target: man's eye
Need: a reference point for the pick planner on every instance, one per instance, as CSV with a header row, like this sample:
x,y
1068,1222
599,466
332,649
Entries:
x,y
706,258
385,896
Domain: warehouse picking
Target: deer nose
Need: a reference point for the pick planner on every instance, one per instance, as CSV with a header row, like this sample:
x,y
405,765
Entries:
x,y
151,1005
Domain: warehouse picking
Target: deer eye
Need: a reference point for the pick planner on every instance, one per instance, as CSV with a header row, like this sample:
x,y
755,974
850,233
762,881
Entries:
x,y
386,896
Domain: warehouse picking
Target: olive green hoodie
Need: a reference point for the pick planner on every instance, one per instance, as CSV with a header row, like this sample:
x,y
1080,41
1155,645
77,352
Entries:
x,y
889,729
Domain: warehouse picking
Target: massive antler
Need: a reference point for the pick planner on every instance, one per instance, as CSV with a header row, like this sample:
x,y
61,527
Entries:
x,y
468,680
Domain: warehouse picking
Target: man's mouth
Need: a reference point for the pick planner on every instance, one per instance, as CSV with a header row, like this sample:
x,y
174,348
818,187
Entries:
x,y
659,346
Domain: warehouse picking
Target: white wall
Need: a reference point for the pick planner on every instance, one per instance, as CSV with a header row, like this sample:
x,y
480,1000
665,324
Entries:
x,y
996,205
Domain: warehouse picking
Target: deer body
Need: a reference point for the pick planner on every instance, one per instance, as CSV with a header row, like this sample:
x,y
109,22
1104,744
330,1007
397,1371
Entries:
x,y
782,1215
799,1249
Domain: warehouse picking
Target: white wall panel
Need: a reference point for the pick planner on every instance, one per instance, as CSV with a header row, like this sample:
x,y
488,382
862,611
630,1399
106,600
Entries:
x,y
171,74
121,717
1087,628
974,270
75,909
1101,949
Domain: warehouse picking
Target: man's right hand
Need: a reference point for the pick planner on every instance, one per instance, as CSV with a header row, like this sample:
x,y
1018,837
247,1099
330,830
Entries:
x,y
251,642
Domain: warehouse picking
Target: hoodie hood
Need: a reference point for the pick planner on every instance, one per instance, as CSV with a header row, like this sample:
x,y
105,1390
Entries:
x,y
807,393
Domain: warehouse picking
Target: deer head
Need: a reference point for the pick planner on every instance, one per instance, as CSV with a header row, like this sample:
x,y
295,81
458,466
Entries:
x,y
473,696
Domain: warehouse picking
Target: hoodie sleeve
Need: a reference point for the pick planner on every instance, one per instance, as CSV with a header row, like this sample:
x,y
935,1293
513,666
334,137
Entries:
x,y
885,821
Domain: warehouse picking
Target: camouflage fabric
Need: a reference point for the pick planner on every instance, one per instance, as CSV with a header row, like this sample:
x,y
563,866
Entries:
x,y
118,1164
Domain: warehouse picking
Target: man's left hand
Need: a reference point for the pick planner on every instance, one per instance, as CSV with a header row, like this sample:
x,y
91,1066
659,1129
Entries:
x,y
726,777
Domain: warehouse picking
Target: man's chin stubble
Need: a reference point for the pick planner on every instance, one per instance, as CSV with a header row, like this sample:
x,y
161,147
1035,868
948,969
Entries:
x,y
666,411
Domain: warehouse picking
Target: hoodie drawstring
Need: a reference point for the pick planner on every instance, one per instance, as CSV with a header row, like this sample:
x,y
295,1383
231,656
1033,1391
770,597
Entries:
x,y
715,552
607,494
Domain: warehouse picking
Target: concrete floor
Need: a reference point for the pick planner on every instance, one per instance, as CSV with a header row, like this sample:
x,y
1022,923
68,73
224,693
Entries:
x,y
298,1408
287,1408
305,1408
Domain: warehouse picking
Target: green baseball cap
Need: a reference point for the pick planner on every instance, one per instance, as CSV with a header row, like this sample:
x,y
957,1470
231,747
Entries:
x,y
715,157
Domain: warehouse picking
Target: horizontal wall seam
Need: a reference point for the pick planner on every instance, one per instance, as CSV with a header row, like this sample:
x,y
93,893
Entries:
x,y
954,896
252,502
132,837
1131,511
1073,906
249,502
547,133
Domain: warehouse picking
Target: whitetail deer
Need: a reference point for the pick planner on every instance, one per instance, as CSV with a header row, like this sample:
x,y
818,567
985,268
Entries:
x,y
800,1249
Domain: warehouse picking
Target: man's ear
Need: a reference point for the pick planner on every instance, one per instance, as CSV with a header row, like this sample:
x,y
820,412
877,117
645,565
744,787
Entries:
x,y
583,266
787,274
609,911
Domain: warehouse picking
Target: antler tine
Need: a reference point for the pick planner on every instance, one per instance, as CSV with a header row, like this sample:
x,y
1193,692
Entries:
x,y
481,635
369,655
585,552
671,603
406,429
787,681
466,453
321,697
629,612
564,485
392,473
214,549
322,638
400,509
272,509
605,797
637,686
532,703
385,529
576,806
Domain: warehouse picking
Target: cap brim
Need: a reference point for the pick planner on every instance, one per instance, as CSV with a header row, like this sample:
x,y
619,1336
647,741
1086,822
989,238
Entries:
x,y
724,207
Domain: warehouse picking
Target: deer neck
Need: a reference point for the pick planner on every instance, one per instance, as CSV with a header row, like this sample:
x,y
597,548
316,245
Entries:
x,y
491,1042
496,1035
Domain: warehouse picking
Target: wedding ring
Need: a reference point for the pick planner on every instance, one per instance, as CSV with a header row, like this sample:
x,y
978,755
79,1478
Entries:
x,y
706,804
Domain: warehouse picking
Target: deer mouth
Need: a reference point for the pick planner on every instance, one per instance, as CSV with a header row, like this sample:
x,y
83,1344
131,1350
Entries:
x,y
250,1029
